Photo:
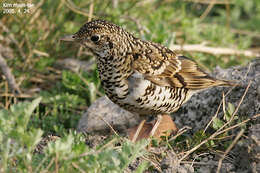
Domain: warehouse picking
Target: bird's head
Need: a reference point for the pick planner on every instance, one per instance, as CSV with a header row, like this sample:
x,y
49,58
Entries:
x,y
99,37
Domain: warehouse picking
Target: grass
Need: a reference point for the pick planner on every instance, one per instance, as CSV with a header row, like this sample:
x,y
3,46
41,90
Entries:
x,y
34,49
66,154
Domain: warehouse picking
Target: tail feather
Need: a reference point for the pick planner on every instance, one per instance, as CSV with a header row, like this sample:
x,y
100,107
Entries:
x,y
225,83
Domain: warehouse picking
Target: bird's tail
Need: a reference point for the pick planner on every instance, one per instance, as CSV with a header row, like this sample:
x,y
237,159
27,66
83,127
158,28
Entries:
x,y
225,83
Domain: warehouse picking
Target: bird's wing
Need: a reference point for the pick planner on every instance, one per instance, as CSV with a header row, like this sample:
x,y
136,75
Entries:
x,y
163,67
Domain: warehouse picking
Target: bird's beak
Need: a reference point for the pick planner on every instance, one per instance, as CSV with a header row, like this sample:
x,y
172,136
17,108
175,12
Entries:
x,y
68,38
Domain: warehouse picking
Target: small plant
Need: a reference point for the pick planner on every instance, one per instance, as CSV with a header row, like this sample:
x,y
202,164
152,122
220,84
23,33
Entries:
x,y
17,141
67,154
228,116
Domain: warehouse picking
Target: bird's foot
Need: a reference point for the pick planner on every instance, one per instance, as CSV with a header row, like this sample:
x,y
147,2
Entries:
x,y
163,126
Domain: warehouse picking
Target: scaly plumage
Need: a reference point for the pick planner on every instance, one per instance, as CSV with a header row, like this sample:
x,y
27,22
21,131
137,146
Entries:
x,y
141,76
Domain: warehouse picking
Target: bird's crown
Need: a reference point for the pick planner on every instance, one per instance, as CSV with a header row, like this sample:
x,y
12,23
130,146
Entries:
x,y
98,26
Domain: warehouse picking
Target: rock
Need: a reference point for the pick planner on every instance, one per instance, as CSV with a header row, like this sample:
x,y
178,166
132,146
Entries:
x,y
199,110
253,147
171,163
211,166
75,65
103,112
245,155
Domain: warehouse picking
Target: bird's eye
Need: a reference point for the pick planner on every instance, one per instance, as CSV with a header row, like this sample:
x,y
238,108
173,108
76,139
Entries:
x,y
94,38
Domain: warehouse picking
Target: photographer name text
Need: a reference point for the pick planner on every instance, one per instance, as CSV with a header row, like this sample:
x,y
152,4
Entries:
x,y
14,8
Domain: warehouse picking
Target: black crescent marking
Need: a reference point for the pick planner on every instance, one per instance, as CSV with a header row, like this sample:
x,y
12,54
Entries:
x,y
181,79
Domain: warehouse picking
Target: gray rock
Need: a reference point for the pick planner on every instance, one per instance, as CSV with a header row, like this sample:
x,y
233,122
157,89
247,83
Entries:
x,y
75,65
103,112
170,163
211,166
253,147
245,155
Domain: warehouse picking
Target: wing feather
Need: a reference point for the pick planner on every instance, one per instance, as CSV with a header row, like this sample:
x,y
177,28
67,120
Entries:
x,y
165,68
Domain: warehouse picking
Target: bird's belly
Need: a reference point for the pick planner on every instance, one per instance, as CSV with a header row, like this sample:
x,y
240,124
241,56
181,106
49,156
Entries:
x,y
147,98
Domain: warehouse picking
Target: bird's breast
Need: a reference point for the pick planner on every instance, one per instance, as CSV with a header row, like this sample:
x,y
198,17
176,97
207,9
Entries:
x,y
113,80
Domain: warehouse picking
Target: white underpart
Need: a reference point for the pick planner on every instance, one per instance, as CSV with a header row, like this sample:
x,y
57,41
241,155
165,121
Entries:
x,y
120,91
137,87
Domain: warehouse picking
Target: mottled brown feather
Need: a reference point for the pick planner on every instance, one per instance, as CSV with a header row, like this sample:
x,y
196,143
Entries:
x,y
180,72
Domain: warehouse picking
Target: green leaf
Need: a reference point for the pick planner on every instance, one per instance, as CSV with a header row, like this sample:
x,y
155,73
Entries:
x,y
35,103
231,108
217,123
229,112
142,167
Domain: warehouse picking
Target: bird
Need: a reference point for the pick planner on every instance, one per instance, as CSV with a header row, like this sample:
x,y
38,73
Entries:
x,y
143,77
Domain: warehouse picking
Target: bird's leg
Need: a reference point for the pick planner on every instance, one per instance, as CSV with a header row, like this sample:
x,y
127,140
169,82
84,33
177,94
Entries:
x,y
137,132
156,125
163,126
